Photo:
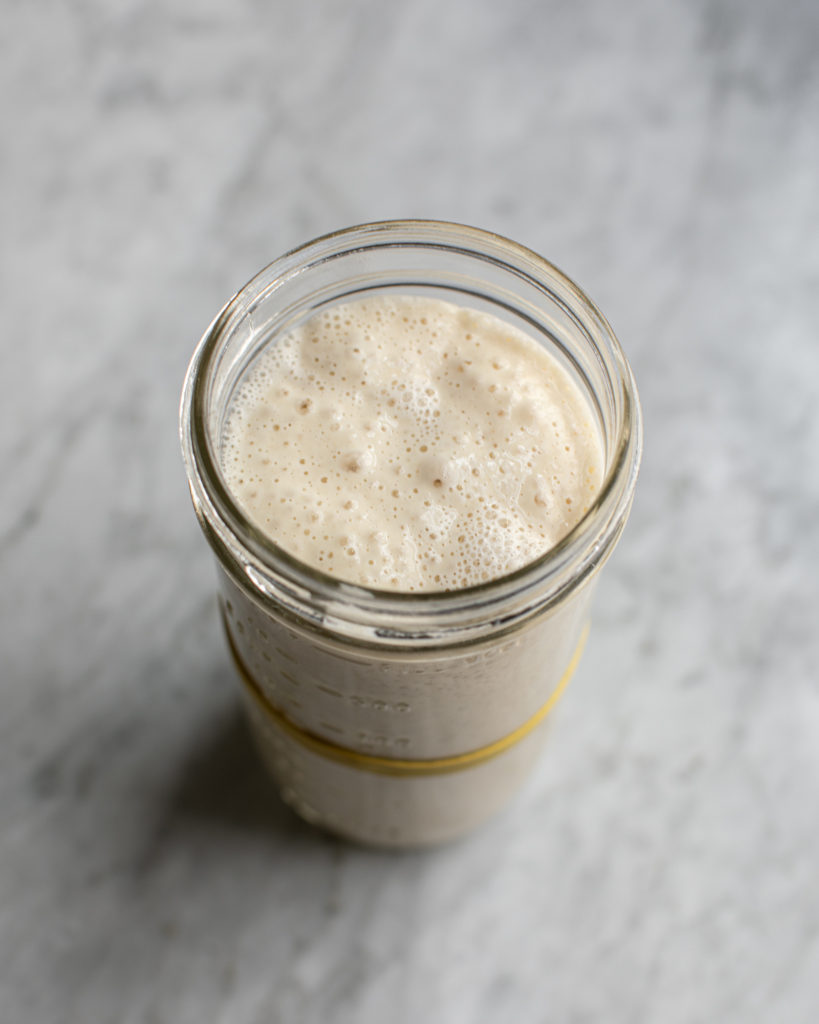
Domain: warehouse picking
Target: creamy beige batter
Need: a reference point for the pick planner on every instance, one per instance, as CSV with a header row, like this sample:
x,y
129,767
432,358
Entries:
x,y
406,443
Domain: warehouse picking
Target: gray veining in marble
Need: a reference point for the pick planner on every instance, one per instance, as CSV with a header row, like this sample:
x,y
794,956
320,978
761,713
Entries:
x,y
663,865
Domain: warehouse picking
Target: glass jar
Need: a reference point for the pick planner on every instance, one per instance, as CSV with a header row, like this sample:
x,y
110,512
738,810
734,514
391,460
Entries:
x,y
395,718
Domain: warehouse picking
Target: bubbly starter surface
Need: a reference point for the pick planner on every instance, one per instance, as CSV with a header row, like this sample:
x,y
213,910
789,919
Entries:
x,y
409,444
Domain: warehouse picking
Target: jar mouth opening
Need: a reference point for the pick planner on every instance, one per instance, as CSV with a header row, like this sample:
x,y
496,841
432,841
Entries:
x,y
270,569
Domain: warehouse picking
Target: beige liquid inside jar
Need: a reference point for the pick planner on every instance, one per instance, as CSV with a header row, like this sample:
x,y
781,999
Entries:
x,y
396,718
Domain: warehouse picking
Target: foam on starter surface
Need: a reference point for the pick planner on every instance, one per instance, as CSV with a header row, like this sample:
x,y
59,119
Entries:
x,y
406,443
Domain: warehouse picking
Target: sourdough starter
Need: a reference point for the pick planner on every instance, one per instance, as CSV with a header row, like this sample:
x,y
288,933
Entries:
x,y
407,444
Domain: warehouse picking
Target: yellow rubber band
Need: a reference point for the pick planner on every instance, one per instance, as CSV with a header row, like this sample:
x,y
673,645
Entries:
x,y
395,765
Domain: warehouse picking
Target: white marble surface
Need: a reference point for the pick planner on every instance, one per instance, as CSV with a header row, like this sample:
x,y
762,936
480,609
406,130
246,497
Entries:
x,y
664,863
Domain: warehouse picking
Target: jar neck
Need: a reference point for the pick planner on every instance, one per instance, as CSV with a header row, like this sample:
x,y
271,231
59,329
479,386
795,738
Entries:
x,y
464,265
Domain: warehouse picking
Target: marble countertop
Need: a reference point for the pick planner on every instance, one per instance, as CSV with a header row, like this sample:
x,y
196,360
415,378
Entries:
x,y
662,865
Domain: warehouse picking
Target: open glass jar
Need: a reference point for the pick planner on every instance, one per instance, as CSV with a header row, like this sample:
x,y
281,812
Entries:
x,y
395,718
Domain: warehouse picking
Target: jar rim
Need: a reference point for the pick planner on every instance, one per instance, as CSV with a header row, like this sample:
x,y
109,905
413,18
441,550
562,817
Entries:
x,y
389,617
